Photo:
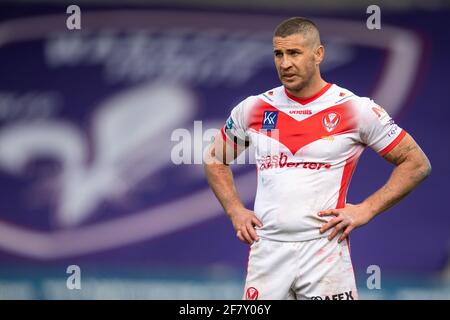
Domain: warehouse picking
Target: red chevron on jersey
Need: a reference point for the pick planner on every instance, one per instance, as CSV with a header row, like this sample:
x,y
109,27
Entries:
x,y
296,134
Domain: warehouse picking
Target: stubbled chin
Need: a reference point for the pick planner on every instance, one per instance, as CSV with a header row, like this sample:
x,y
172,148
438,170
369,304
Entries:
x,y
291,85
294,85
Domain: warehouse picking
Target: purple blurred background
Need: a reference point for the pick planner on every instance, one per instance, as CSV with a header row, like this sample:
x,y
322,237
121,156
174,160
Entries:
x,y
91,122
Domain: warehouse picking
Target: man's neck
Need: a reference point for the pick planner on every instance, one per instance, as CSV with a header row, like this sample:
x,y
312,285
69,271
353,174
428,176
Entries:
x,y
310,90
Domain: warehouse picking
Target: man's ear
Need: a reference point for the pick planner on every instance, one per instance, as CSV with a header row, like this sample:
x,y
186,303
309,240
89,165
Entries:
x,y
319,54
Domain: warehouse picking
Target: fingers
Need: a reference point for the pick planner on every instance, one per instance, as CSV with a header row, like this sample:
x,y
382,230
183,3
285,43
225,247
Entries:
x,y
244,224
337,229
346,233
239,236
329,212
252,232
343,222
256,222
330,224
249,232
245,235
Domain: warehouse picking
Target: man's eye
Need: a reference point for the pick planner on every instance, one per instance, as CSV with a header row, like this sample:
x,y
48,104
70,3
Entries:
x,y
295,53
278,54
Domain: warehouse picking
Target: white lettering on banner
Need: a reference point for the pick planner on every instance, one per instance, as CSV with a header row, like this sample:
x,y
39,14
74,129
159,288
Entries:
x,y
202,57
30,105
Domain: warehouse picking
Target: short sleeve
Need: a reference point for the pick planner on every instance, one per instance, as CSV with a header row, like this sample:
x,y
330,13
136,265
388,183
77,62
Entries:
x,y
235,130
377,129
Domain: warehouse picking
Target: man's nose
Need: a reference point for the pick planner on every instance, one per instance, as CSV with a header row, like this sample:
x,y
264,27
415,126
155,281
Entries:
x,y
285,63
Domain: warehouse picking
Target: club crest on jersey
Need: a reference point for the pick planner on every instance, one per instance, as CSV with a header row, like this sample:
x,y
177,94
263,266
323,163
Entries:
x,y
252,294
331,120
269,120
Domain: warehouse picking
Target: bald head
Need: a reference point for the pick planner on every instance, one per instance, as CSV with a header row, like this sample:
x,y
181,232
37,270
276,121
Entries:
x,y
299,25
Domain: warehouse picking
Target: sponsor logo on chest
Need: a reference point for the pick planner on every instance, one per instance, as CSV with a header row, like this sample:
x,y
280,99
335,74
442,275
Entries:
x,y
269,120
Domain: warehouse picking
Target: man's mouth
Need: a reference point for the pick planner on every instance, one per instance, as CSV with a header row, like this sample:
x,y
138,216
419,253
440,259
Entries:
x,y
288,76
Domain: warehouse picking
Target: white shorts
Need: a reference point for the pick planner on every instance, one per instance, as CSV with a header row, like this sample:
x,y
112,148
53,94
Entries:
x,y
317,269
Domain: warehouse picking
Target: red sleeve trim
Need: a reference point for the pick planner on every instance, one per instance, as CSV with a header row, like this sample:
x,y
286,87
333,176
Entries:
x,y
393,143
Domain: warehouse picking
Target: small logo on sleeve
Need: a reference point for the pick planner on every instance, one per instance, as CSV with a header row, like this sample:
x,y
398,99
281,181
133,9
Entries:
x,y
331,120
269,120
381,114
229,124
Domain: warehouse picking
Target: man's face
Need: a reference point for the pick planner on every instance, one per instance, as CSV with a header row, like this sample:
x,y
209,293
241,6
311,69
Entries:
x,y
296,60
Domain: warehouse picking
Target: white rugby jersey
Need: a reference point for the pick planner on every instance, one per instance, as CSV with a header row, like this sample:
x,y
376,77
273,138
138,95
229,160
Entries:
x,y
306,151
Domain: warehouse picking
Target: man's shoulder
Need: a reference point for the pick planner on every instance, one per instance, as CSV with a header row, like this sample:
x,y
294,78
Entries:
x,y
273,96
341,95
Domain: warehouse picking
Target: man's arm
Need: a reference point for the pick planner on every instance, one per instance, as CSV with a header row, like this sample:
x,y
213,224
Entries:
x,y
411,167
220,178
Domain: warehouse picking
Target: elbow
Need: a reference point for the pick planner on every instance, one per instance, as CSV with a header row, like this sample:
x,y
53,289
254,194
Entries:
x,y
428,170
425,168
